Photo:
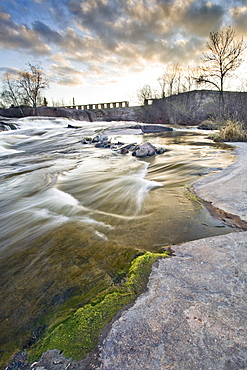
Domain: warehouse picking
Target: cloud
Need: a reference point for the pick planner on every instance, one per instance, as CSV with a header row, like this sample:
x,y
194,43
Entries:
x,y
14,36
46,32
105,37
65,74
202,18
239,18
10,70
134,31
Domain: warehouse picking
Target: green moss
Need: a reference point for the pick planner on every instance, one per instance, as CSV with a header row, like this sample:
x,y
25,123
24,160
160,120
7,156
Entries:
x,y
78,334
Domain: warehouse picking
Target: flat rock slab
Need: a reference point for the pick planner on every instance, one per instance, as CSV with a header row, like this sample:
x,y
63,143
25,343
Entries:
x,y
227,189
193,315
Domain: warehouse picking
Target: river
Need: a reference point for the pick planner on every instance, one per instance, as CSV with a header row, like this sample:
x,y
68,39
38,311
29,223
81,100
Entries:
x,y
73,216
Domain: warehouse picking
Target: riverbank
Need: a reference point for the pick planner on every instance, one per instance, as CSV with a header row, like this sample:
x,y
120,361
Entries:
x,y
154,319
194,313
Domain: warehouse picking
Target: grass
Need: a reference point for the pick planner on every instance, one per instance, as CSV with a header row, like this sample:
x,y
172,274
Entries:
x,y
231,131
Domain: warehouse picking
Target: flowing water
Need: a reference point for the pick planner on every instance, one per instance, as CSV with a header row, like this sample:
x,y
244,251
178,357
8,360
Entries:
x,y
73,216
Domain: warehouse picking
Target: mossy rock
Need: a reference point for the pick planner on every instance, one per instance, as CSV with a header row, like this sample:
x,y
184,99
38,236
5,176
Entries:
x,y
78,334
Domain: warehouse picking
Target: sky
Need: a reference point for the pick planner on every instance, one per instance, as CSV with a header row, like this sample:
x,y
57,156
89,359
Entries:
x,y
98,51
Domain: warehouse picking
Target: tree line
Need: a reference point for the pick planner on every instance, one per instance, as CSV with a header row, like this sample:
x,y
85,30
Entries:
x,y
224,55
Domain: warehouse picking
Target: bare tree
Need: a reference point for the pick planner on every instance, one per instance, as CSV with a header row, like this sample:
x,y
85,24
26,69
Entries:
x,y
170,80
144,93
31,83
11,94
24,88
225,56
189,78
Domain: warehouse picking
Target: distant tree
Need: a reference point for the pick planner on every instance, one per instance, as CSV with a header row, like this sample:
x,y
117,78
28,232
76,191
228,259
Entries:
x,y
170,80
143,93
11,94
25,87
58,103
32,83
189,77
225,56
45,102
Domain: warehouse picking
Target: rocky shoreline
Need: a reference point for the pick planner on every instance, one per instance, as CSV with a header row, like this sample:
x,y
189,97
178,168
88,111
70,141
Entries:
x,y
192,315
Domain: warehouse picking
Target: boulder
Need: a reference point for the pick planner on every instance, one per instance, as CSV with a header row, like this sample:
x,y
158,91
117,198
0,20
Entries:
x,y
144,150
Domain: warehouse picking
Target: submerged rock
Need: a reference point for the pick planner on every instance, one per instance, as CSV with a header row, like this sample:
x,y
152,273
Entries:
x,y
6,126
154,128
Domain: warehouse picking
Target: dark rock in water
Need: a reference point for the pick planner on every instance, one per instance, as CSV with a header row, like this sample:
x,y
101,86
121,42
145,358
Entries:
x,y
84,141
6,126
95,139
160,151
144,150
71,126
99,145
103,138
154,128
3,127
141,153
124,151
101,141
207,126
130,146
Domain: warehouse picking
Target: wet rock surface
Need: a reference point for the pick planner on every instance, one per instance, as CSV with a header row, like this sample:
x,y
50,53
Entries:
x,y
141,151
227,189
193,315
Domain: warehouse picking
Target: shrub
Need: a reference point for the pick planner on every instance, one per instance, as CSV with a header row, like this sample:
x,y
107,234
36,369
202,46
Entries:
x,y
232,131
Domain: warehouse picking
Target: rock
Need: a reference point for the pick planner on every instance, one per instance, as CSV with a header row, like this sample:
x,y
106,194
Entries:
x,y
146,149
71,126
124,151
95,139
160,151
142,152
99,145
6,126
154,128
3,127
103,138
84,141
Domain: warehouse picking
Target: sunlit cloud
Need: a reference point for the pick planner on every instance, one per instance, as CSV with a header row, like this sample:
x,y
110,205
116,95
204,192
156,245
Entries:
x,y
239,18
99,41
